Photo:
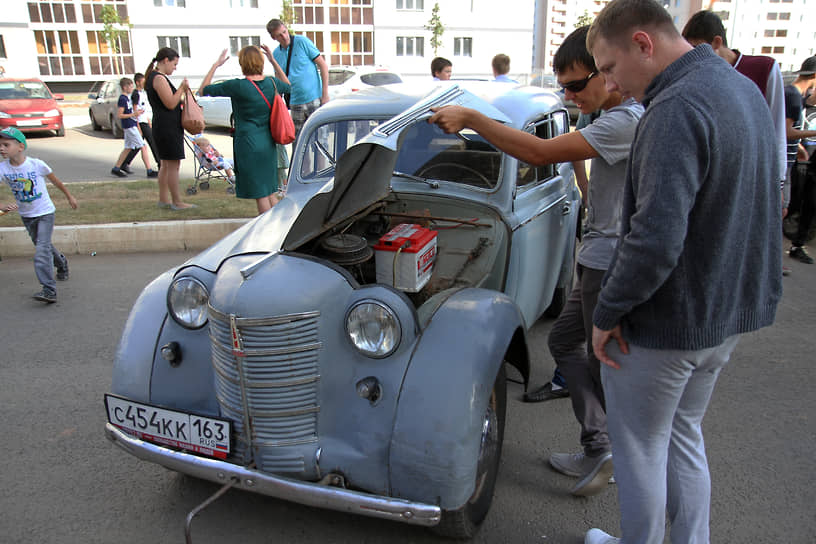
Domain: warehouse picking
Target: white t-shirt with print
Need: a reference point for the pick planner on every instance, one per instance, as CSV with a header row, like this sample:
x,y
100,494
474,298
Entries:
x,y
28,183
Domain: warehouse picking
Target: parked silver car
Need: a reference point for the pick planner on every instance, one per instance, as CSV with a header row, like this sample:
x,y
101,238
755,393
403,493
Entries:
x,y
347,349
103,110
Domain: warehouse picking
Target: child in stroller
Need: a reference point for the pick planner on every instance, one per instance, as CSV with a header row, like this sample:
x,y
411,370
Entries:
x,y
210,159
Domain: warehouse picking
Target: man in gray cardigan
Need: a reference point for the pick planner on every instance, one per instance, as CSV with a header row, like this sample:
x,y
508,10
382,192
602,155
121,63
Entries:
x,y
697,262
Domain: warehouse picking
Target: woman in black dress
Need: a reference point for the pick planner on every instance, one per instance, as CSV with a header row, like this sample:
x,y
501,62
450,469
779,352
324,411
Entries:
x,y
165,100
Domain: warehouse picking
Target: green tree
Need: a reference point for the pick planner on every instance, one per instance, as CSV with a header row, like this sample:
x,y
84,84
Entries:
x,y
584,19
287,14
113,28
436,27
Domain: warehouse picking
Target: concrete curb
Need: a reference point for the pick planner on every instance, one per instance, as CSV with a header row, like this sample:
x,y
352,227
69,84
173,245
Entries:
x,y
194,234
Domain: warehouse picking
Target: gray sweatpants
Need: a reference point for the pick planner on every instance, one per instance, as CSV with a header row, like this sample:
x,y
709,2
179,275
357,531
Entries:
x,y
655,406
46,256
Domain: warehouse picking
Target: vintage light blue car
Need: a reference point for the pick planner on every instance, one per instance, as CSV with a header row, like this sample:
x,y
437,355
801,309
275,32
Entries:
x,y
346,349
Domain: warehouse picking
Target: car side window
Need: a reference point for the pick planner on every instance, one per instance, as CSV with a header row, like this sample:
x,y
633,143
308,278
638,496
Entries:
x,y
552,125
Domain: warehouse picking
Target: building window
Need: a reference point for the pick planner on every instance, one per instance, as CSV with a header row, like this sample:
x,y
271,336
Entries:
x,y
239,42
463,47
308,12
765,50
784,16
2,48
92,11
360,12
415,5
102,58
779,49
180,43
52,12
317,39
58,53
352,48
243,3
410,46
170,3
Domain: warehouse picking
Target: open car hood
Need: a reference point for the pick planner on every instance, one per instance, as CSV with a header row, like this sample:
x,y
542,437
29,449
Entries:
x,y
362,178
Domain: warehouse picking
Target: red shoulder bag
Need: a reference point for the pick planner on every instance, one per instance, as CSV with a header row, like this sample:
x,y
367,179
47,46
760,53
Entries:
x,y
280,122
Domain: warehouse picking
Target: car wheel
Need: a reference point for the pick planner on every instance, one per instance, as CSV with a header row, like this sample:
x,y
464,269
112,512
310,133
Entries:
x,y
94,124
61,131
116,129
464,522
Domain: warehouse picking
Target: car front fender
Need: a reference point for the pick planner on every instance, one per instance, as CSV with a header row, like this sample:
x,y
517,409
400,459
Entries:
x,y
443,398
133,362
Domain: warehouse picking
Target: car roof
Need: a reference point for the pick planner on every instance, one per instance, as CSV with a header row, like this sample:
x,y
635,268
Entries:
x,y
21,79
520,103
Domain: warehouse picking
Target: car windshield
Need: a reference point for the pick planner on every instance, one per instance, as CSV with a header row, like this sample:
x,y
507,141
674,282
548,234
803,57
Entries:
x,y
425,152
23,89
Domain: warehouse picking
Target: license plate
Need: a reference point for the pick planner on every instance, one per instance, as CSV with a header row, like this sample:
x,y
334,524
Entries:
x,y
28,123
205,435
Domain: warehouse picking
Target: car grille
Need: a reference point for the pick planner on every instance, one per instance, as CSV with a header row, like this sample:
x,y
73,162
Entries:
x,y
266,379
27,115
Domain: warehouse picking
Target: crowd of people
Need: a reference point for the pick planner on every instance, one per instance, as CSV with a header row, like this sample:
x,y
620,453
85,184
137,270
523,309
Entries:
x,y
685,137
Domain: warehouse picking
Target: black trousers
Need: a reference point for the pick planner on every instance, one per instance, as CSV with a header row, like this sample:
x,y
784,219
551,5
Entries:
x,y
807,203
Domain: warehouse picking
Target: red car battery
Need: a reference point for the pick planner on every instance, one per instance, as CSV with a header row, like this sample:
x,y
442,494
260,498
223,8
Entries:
x,y
405,257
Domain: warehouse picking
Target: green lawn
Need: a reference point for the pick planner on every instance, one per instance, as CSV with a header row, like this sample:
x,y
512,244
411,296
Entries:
x,y
129,201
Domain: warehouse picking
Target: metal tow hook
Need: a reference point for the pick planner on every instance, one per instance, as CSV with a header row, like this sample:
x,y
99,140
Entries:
x,y
195,511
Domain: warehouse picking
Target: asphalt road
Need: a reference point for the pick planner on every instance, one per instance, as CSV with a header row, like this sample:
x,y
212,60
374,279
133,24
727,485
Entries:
x,y
88,155
64,483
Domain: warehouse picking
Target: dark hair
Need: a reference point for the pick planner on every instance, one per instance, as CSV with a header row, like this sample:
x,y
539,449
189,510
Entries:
x,y
251,60
619,17
273,25
164,53
705,25
438,64
125,81
501,63
573,52
138,76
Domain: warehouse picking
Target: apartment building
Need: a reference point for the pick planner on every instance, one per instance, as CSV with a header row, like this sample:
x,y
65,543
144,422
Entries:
x,y
64,41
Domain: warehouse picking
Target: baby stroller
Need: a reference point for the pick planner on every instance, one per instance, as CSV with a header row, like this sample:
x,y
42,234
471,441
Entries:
x,y
208,165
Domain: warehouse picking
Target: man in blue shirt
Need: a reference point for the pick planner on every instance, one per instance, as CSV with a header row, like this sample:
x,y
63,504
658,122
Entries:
x,y
306,69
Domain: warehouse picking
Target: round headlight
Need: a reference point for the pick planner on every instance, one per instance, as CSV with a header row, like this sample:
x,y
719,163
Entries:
x,y
187,300
373,329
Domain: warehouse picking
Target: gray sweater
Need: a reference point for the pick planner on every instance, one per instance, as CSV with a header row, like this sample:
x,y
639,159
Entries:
x,y
699,255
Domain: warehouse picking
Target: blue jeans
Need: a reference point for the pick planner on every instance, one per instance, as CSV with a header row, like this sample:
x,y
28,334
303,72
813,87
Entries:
x,y
46,256
655,405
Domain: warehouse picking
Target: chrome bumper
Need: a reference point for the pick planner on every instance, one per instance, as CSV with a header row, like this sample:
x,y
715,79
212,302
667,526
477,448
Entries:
x,y
310,494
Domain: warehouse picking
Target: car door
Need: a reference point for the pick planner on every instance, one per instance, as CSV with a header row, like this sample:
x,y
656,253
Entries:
x,y
543,212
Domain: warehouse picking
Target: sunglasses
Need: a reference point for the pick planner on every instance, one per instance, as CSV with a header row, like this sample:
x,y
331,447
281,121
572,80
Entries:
x,y
579,85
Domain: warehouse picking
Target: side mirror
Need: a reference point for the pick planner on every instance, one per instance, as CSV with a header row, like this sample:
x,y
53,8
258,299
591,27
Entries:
x,y
92,96
59,97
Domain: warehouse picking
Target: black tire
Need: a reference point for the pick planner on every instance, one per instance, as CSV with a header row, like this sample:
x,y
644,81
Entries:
x,y
61,131
464,522
116,128
191,190
94,125
204,185
231,190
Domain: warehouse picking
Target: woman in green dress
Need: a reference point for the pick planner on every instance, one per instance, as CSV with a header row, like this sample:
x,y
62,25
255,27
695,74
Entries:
x,y
254,150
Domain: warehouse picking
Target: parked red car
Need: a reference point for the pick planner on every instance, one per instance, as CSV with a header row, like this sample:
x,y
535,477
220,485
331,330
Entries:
x,y
29,105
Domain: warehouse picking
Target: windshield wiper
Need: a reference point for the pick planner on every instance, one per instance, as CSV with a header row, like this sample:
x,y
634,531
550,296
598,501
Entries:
x,y
431,183
323,151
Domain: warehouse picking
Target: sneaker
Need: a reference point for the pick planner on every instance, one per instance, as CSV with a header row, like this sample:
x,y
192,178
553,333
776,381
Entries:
x,y
62,271
596,536
798,252
118,172
548,391
152,174
126,168
596,480
49,297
